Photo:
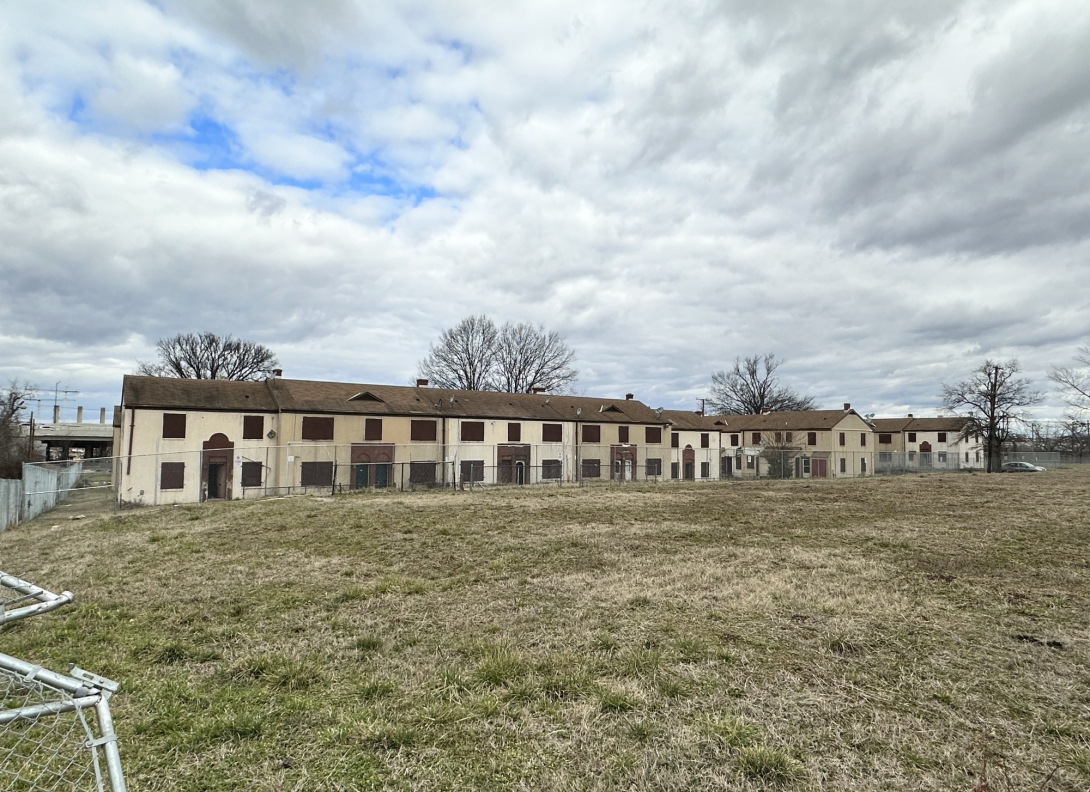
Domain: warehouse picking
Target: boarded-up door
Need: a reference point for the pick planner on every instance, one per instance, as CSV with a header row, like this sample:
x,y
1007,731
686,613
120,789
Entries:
x,y
819,468
514,463
688,460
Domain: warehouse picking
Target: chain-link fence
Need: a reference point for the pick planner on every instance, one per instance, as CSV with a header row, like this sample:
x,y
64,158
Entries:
x,y
56,730
42,487
1049,460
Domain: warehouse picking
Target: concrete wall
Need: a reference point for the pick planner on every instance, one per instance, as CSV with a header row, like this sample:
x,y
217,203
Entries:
x,y
41,489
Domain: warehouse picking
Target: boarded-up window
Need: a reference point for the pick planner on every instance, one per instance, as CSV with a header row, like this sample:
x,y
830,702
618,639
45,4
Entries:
x,y
174,425
172,475
422,431
253,427
675,469
887,456
811,438
790,436
723,466
592,433
592,468
942,437
622,434
675,440
317,427
372,429
251,474
843,465
317,474
552,433
654,467
912,437
551,468
652,434
779,437
472,470
514,433
734,441
472,431
756,438
422,472
705,469
885,439
863,439
705,440
843,439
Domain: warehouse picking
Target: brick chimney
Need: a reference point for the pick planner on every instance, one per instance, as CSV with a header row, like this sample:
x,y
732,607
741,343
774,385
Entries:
x,y
629,396
538,389
421,383
847,406
278,372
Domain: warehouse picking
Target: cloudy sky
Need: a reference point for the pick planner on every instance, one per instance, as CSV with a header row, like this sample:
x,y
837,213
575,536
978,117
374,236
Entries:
x,y
883,194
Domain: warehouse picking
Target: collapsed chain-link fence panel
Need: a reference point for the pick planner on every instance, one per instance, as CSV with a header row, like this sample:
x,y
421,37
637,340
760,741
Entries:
x,y
56,730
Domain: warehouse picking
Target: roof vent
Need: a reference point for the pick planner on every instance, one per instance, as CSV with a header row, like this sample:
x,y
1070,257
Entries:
x,y
629,396
421,383
847,406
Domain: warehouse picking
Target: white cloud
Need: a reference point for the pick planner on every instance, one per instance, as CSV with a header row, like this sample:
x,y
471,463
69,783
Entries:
x,y
881,195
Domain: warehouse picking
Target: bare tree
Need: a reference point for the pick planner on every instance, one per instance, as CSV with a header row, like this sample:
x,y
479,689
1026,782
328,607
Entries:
x,y
1074,381
464,357
14,448
529,357
210,356
994,400
475,355
752,388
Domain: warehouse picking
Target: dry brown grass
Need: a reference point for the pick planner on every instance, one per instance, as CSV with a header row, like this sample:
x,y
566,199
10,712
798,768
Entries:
x,y
825,635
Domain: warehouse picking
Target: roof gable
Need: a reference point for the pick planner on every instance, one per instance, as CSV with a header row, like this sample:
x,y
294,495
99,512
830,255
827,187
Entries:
x,y
366,396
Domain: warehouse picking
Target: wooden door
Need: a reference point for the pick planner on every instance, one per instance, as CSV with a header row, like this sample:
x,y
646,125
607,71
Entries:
x,y
819,468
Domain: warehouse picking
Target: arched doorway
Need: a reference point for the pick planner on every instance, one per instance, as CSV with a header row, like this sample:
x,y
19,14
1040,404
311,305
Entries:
x,y
217,467
371,465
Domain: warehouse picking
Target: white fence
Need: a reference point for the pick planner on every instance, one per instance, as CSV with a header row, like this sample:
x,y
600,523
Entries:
x,y
41,488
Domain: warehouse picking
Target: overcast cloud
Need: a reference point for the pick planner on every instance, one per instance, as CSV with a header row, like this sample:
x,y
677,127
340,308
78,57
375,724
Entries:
x,y
883,194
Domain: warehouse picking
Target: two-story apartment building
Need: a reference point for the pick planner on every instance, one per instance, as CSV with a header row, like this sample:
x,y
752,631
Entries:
x,y
191,440
802,444
695,446
926,443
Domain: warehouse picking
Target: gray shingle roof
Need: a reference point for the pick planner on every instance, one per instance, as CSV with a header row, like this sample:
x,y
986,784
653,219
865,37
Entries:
x,y
368,399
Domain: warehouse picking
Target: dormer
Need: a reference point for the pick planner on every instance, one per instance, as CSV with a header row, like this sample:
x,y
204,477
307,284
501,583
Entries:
x,y
367,396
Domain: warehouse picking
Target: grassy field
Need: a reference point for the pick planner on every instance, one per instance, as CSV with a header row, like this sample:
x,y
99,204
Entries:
x,y
824,635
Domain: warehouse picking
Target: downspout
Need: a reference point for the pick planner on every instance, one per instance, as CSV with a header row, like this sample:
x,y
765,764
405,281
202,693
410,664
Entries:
x,y
279,435
132,427
443,440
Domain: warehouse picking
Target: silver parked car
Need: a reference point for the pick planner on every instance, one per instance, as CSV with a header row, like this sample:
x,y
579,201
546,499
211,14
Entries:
x,y
1020,467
